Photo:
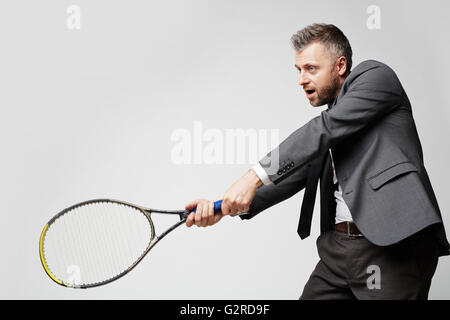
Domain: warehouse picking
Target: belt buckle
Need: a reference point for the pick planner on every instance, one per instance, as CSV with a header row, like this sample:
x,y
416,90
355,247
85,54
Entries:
x,y
351,234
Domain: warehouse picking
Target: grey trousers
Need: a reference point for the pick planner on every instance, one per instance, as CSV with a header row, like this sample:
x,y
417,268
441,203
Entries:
x,y
354,268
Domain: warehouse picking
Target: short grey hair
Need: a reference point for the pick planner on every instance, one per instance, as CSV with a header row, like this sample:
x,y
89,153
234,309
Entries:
x,y
327,34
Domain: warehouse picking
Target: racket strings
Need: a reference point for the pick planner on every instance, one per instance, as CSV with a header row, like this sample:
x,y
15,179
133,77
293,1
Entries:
x,y
96,242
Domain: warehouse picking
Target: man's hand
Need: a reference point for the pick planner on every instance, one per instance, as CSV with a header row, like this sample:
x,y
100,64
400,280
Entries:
x,y
240,195
237,199
205,213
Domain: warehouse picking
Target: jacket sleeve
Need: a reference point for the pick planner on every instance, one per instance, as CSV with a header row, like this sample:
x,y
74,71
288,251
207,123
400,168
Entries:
x,y
269,195
371,94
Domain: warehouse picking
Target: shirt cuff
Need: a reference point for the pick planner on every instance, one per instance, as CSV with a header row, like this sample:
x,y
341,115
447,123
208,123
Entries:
x,y
261,173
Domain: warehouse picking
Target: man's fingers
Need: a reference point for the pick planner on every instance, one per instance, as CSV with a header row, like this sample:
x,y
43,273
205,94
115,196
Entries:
x,y
217,217
244,206
210,218
231,206
198,215
204,215
190,219
190,206
225,208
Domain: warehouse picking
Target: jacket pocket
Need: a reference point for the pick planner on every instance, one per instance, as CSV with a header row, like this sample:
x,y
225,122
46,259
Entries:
x,y
379,179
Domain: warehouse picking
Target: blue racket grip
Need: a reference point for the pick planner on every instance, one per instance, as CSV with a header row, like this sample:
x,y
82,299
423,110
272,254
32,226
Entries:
x,y
217,207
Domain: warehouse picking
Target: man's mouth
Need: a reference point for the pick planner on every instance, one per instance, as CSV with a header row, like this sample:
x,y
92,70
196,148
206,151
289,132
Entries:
x,y
310,93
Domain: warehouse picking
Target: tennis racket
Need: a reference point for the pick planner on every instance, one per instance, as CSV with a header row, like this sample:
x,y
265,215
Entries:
x,y
98,241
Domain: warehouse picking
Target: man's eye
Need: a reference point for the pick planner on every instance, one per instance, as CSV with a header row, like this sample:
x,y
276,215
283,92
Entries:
x,y
312,68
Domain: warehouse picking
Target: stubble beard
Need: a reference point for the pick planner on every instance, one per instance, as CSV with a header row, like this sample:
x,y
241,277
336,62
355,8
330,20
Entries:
x,y
328,93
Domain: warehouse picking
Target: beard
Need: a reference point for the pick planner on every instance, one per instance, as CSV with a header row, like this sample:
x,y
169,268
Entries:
x,y
327,93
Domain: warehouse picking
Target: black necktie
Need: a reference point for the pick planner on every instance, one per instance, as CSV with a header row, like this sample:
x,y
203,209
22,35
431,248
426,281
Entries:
x,y
309,198
327,198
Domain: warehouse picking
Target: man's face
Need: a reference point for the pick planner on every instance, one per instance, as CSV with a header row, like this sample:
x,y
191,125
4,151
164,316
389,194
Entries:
x,y
319,76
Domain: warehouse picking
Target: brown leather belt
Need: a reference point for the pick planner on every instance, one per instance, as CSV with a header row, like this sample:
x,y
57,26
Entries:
x,y
349,228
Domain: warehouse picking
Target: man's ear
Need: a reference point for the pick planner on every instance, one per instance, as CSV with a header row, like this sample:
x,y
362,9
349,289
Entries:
x,y
341,66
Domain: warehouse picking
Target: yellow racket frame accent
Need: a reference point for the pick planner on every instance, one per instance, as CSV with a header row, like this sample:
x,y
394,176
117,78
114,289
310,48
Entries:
x,y
44,263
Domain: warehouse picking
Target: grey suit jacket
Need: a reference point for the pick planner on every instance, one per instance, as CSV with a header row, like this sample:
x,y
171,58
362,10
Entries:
x,y
377,156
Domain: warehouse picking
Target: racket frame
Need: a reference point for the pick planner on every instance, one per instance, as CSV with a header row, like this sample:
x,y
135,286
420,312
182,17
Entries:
x,y
183,214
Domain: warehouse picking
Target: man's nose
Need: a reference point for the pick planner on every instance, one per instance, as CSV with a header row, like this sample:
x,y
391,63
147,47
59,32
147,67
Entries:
x,y
303,80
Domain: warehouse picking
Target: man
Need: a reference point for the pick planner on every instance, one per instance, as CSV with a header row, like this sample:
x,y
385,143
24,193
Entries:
x,y
379,214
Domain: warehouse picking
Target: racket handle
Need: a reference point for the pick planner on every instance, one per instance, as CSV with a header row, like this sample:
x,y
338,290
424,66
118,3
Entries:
x,y
217,207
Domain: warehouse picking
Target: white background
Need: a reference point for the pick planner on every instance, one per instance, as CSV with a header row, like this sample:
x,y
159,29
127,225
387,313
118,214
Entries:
x,y
89,113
